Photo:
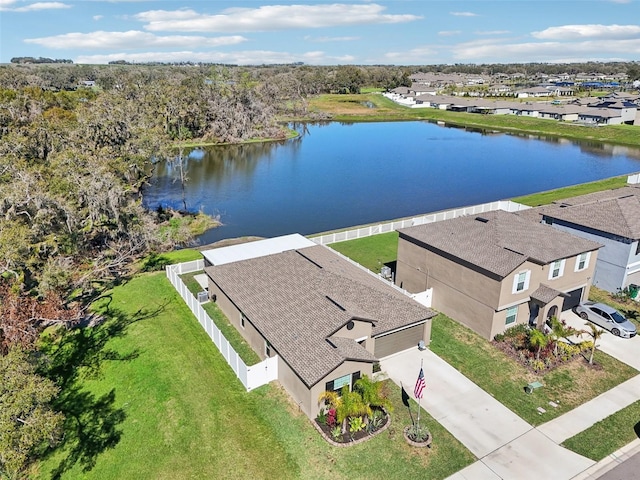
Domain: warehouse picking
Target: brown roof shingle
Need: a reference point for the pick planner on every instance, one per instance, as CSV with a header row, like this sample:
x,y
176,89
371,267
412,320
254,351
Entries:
x,y
498,241
298,298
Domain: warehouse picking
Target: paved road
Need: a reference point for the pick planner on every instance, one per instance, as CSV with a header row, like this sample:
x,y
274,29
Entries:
x,y
627,470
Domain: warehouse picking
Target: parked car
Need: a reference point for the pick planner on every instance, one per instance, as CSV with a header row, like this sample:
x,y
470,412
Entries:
x,y
606,317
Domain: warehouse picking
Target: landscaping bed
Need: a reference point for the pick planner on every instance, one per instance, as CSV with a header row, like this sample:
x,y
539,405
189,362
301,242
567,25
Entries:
x,y
343,436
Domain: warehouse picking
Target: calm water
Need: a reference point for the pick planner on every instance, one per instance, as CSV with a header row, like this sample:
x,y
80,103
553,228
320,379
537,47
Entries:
x,y
338,175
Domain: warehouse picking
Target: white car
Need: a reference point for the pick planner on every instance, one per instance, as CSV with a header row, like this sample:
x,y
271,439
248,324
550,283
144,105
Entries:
x,y
608,318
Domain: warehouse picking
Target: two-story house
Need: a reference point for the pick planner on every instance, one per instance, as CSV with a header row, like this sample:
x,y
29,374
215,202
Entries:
x,y
611,218
493,271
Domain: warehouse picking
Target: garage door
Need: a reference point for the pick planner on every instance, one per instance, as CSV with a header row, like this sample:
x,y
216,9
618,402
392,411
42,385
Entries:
x,y
572,300
398,341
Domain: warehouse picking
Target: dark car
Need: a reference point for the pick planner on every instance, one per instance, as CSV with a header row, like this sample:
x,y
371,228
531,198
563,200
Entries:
x,y
606,317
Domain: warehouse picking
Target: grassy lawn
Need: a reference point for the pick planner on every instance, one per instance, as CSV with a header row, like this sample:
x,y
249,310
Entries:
x,y
371,252
545,198
569,385
608,435
353,108
148,396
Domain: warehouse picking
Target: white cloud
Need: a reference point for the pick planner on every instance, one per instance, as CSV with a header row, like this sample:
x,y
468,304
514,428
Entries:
x,y
6,5
492,50
130,40
419,55
254,57
449,33
330,39
98,17
463,14
576,32
270,18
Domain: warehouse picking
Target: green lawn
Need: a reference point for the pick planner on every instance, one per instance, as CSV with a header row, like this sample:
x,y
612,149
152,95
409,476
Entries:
x,y
148,396
544,198
371,252
569,385
608,435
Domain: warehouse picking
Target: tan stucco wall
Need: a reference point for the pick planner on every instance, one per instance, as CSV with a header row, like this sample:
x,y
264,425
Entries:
x,y
360,329
344,369
474,299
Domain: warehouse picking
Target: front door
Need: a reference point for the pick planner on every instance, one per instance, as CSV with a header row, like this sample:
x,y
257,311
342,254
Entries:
x,y
534,309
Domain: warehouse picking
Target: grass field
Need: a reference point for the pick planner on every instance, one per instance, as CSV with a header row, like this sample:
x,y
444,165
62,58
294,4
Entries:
x,y
545,198
148,396
608,435
354,108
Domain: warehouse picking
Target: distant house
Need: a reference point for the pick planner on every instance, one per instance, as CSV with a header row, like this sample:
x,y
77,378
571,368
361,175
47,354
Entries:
x,y
601,116
533,92
326,319
496,270
611,218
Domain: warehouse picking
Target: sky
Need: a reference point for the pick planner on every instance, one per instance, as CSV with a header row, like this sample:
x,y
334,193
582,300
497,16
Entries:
x,y
358,32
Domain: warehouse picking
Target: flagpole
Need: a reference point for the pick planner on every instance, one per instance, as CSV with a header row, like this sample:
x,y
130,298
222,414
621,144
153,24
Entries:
x,y
419,400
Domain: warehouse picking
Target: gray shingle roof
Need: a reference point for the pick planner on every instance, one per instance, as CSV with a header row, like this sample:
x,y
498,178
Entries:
x,y
350,349
298,298
545,294
498,241
612,211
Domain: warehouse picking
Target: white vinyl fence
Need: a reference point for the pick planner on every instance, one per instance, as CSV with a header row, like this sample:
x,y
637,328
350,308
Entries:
x,y
251,377
367,231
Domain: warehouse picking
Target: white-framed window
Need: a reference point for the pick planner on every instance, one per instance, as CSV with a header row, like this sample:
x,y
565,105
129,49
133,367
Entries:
x,y
521,281
556,269
512,315
582,261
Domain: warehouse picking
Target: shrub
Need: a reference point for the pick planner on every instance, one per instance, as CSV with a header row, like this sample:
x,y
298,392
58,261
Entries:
x,y
418,433
356,424
322,417
336,432
332,419
375,421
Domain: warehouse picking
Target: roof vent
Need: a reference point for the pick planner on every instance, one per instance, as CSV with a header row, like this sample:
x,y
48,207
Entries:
x,y
482,219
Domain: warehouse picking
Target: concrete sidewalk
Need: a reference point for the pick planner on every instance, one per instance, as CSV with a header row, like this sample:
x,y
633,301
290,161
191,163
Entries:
x,y
599,408
508,447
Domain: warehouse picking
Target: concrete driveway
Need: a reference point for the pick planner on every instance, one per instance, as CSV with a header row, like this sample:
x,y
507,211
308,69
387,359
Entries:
x,y
624,349
507,446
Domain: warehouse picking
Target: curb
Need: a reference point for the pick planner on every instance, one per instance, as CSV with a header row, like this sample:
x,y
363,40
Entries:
x,y
610,461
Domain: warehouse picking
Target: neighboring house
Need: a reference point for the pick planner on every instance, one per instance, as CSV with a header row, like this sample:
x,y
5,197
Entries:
x,y
533,92
601,116
326,319
496,270
611,218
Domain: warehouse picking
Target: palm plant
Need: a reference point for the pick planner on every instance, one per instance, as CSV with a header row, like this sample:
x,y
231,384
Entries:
x,y
351,405
559,330
538,340
372,393
595,333
331,399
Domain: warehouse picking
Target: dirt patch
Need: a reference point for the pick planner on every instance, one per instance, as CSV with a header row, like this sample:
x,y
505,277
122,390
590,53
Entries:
x,y
228,242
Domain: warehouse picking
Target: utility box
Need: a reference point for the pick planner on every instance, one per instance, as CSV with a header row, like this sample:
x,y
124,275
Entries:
x,y
203,297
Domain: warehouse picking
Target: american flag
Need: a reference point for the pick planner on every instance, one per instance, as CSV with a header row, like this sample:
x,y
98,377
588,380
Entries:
x,y
420,385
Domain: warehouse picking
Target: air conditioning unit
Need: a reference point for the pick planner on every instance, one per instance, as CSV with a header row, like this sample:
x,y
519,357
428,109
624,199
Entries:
x,y
385,272
203,297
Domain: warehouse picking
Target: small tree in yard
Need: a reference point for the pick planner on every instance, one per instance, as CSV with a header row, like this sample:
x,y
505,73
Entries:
x,y
595,333
538,340
559,330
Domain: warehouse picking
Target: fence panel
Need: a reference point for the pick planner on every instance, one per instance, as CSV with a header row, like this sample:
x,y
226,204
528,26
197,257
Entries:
x,y
360,232
224,347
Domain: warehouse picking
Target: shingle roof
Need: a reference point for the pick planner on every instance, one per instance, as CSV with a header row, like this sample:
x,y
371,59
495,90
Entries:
x,y
545,294
618,216
298,298
350,349
498,241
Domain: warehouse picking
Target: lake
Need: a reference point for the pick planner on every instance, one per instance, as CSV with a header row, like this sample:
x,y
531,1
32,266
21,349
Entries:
x,y
337,175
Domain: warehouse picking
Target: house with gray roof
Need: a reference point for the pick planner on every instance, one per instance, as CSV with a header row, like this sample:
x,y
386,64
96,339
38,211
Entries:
x,y
611,218
496,270
326,319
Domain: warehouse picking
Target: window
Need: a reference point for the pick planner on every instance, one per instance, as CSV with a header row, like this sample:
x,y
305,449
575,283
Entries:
x,y
638,248
267,348
582,261
242,317
512,315
521,281
556,269
346,380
